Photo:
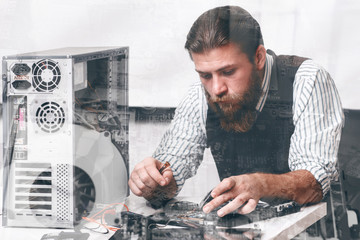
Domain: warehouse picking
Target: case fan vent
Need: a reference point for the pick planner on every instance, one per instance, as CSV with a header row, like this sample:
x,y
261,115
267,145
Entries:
x,y
46,75
50,117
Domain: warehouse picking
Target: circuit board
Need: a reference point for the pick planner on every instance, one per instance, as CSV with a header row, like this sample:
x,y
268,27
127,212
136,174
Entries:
x,y
186,220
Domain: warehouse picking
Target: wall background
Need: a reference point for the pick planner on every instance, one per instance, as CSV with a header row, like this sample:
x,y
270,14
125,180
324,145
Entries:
x,y
160,70
155,30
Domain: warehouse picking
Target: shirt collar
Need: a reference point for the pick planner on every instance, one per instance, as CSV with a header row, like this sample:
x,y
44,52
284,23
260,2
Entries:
x,y
265,83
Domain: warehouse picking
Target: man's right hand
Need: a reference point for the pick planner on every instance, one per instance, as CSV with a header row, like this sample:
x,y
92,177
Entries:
x,y
146,180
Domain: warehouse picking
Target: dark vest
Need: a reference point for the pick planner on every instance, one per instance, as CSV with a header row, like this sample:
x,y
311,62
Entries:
x,y
265,147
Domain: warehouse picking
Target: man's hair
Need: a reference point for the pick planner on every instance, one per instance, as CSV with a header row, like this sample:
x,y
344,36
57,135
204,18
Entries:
x,y
219,26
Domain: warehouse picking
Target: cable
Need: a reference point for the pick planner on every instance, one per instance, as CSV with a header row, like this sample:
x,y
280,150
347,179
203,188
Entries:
x,y
103,212
84,121
157,226
93,229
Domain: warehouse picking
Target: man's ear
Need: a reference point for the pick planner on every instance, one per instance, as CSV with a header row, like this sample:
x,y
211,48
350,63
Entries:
x,y
260,57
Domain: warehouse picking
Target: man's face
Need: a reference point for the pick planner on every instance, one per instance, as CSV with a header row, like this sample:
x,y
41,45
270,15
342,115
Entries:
x,y
232,85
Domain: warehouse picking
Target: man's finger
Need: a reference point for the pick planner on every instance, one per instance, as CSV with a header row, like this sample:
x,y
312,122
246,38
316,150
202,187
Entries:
x,y
168,175
142,186
223,187
153,172
248,207
232,206
135,189
223,198
146,178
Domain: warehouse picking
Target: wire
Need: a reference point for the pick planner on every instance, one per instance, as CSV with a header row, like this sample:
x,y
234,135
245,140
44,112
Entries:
x,y
108,206
100,224
84,121
103,212
94,229
157,226
99,99
78,101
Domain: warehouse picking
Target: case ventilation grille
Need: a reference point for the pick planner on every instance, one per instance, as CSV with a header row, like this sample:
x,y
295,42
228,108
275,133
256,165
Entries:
x,y
33,188
46,75
63,193
50,117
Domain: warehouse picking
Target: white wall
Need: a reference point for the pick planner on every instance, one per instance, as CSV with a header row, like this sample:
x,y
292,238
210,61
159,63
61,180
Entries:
x,y
155,30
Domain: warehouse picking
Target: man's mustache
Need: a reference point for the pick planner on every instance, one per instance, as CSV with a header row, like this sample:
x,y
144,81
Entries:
x,y
228,100
225,98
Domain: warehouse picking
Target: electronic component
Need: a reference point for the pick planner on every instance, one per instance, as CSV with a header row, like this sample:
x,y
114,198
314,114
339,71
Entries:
x,y
66,117
20,69
21,84
186,220
167,164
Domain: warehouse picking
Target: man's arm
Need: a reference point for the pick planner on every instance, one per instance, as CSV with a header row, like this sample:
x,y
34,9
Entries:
x,y
182,146
318,120
246,190
299,185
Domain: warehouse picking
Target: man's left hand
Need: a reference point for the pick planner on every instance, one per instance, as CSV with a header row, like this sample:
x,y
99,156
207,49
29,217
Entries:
x,y
244,191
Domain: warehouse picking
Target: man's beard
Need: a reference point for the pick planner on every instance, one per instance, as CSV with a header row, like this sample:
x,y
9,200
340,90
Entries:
x,y
238,112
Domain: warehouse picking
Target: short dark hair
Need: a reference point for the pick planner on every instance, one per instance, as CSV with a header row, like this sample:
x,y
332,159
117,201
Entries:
x,y
220,26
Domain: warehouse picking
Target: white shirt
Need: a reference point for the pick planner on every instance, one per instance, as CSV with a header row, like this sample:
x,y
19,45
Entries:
x,y
317,117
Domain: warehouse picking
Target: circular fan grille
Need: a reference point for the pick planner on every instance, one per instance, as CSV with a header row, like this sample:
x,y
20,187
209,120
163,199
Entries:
x,y
50,117
84,194
46,75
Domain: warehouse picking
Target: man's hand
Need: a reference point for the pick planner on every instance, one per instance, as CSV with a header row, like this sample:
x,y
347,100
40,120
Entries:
x,y
146,180
246,190
243,190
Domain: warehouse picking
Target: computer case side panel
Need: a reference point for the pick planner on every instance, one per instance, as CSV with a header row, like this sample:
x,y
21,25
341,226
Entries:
x,y
65,119
39,152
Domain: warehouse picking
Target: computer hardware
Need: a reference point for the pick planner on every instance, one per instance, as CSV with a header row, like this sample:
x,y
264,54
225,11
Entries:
x,y
65,121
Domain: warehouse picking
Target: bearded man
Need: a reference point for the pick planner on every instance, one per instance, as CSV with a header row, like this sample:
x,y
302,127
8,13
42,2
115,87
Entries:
x,y
273,123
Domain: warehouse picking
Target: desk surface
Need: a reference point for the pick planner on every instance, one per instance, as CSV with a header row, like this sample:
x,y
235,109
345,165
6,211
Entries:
x,y
285,227
288,226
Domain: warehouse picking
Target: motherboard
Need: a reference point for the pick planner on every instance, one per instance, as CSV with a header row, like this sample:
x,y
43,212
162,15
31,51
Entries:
x,y
186,220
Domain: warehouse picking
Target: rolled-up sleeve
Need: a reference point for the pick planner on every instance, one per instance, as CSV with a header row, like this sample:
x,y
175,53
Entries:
x,y
318,120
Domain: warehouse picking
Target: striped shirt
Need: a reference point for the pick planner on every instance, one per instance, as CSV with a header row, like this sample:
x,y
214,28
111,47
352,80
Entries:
x,y
317,117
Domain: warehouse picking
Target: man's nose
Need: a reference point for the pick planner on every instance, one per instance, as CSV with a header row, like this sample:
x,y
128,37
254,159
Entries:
x,y
219,86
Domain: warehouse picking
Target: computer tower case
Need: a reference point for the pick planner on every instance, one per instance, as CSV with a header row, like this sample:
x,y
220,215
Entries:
x,y
65,134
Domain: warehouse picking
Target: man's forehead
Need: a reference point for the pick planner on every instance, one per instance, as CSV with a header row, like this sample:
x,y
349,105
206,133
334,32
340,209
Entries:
x,y
231,45
219,58
221,68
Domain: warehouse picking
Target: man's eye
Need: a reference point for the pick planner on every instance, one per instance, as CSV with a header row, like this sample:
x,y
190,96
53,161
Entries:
x,y
206,76
229,72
